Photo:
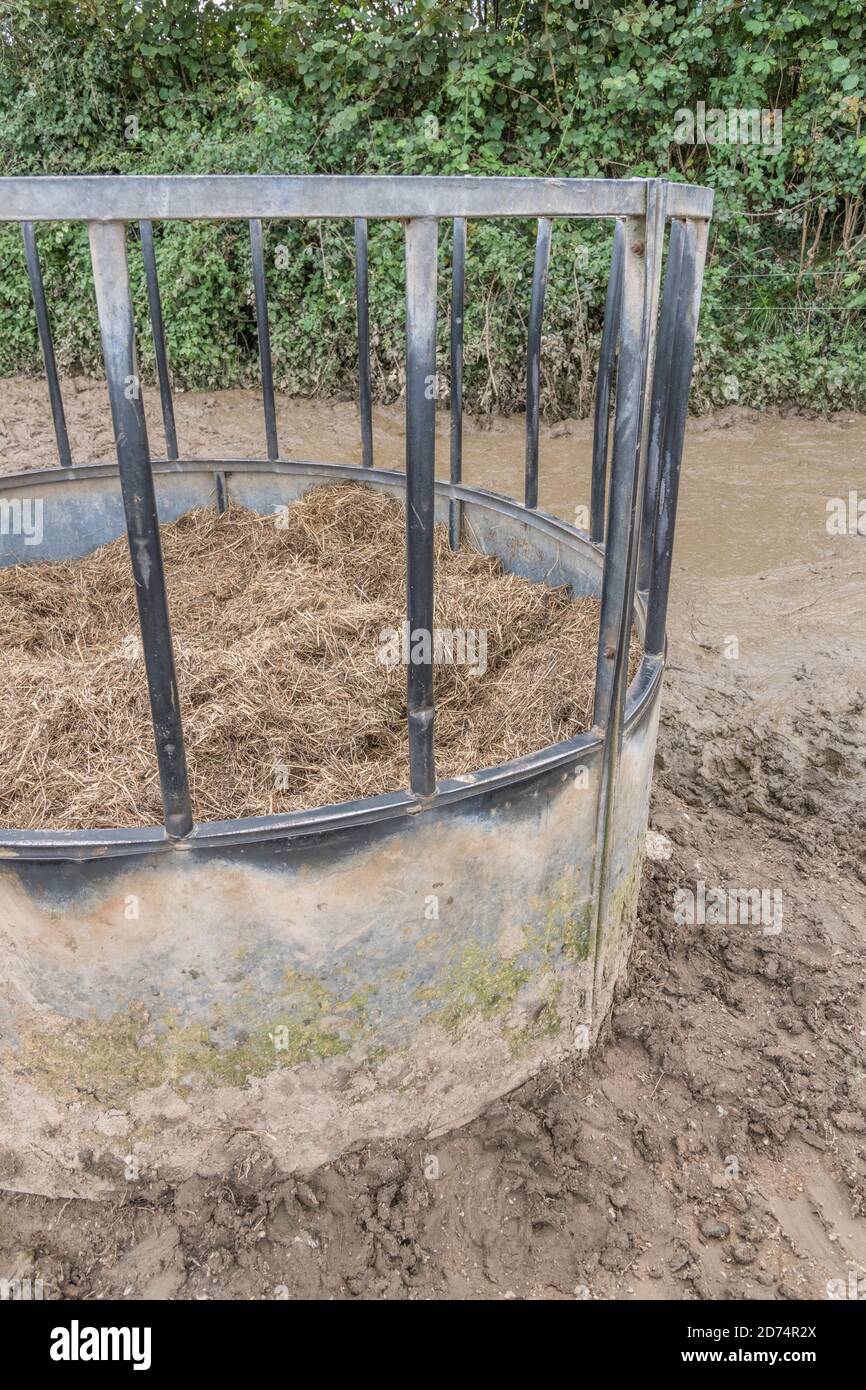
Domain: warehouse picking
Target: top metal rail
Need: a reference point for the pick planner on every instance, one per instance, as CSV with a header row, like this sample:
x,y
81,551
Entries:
x,y
152,197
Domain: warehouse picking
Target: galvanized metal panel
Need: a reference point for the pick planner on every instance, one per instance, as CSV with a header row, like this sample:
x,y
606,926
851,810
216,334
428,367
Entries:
x,y
243,196
417,969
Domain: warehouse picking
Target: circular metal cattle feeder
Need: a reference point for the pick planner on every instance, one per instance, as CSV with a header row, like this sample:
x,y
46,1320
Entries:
x,y
292,985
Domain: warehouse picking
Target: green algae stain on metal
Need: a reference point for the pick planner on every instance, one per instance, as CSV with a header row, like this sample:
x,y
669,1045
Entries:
x,y
480,984
568,919
621,904
112,1059
577,933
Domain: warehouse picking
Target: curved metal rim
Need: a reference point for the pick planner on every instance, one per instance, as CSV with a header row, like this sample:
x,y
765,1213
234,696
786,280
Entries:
x,y
322,820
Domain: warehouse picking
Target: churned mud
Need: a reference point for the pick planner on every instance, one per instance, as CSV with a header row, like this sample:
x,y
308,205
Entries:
x,y
714,1146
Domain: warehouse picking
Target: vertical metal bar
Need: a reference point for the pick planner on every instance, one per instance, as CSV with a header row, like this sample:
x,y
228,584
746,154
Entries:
x,y
656,219
606,363
155,304
114,302
264,337
628,471
421,267
34,271
688,308
362,300
533,359
644,244
220,492
623,467
458,288
659,403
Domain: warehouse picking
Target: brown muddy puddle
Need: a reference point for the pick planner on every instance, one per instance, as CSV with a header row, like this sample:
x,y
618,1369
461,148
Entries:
x,y
750,488
754,559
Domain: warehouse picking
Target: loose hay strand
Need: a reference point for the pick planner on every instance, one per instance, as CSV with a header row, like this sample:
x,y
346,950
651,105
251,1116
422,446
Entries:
x,y
277,635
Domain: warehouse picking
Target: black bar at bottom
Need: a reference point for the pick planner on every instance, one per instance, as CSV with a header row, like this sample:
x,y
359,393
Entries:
x,y
819,1330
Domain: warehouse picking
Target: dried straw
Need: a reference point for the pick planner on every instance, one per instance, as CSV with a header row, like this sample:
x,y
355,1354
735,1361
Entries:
x,y
277,636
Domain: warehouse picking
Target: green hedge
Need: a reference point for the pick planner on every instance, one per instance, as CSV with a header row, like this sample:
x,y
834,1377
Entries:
x,y
177,87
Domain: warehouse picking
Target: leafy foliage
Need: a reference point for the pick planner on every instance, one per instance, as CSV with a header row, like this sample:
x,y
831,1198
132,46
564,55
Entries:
x,y
196,86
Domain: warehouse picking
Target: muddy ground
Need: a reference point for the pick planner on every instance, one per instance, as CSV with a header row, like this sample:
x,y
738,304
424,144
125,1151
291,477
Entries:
x,y
715,1146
